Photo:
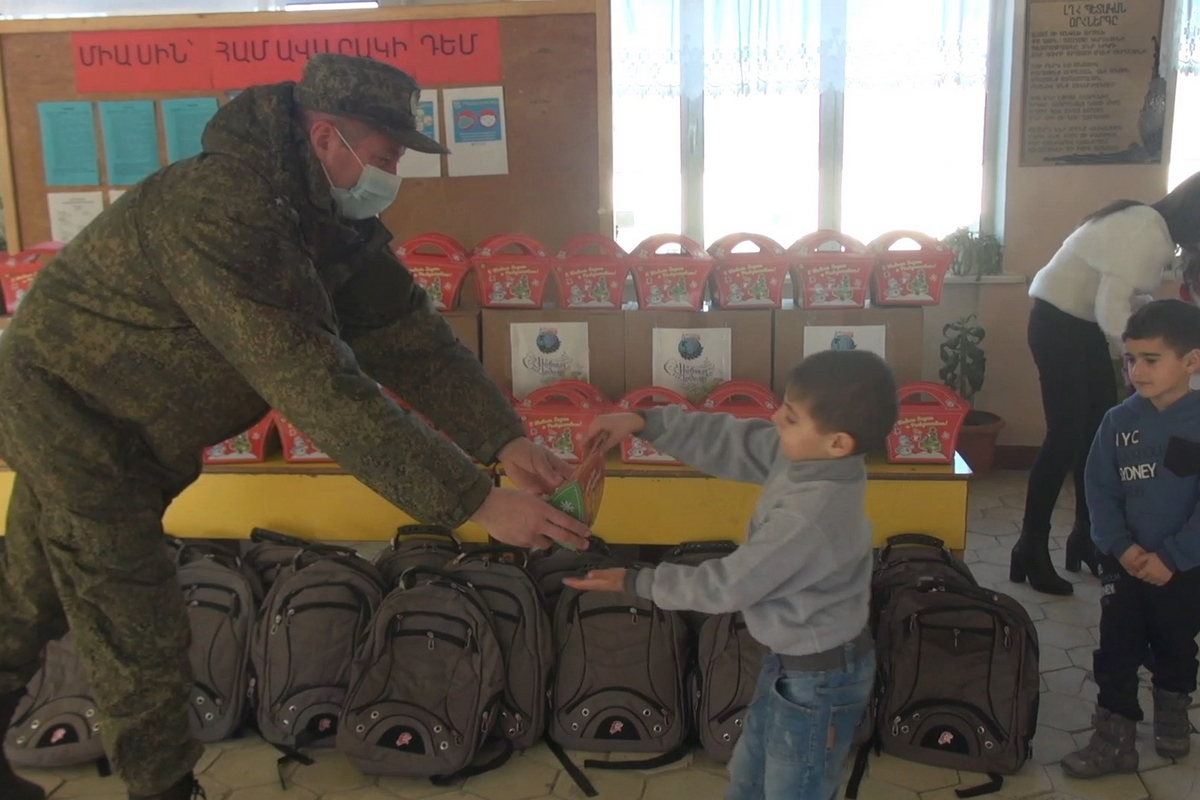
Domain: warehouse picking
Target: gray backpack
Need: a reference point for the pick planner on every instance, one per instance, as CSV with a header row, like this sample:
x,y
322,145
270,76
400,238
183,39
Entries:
x,y
620,681
222,602
549,567
519,619
311,624
427,685
55,724
957,682
416,546
728,659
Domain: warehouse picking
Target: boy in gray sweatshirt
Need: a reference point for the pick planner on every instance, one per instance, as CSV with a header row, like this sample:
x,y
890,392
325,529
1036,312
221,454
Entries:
x,y
801,579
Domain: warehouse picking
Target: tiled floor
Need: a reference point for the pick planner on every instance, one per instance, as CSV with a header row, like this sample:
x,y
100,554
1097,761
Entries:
x,y
245,770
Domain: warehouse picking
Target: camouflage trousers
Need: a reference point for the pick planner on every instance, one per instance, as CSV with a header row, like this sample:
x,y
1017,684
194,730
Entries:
x,y
113,584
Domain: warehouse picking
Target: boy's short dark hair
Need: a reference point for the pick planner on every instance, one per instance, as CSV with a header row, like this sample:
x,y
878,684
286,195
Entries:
x,y
848,391
1175,322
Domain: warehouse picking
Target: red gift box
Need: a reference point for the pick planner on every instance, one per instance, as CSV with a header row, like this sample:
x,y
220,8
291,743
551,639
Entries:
x,y
439,264
18,271
511,271
673,281
590,272
749,280
297,447
248,447
926,432
831,278
742,399
639,451
558,416
909,277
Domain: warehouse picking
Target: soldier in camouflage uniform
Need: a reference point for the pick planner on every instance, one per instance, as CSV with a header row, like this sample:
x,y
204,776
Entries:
x,y
254,275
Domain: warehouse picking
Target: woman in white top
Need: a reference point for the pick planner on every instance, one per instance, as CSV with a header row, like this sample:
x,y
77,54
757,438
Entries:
x,y
1082,300
1189,288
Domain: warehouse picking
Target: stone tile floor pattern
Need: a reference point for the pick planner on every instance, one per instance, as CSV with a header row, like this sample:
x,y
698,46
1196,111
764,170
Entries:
x,y
245,769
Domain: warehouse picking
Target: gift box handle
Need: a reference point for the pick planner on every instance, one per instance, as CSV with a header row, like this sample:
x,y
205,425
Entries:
x,y
813,242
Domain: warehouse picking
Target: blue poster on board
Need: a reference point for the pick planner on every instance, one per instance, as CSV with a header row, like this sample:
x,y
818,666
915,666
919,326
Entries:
x,y
69,151
426,119
184,122
130,129
477,119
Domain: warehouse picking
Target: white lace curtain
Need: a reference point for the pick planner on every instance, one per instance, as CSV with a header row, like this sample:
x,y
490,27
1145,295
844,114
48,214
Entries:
x,y
754,47
1189,38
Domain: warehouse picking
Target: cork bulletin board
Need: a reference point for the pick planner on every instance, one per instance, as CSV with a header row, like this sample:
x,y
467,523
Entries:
x,y
551,57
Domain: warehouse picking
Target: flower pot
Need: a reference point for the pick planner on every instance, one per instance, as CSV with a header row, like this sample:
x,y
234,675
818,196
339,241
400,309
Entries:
x,y
977,441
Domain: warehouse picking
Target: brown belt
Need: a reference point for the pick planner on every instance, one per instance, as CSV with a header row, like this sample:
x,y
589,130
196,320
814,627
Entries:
x,y
834,658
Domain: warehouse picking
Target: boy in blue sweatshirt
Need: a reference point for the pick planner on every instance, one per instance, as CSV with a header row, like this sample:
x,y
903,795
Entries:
x,y
1143,493
802,579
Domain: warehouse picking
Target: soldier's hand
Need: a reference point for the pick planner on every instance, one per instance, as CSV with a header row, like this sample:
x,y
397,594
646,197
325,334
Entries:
x,y
532,467
520,519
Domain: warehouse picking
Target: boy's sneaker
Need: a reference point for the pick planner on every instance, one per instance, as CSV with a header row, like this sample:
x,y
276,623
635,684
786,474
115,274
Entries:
x,y
1109,751
1172,728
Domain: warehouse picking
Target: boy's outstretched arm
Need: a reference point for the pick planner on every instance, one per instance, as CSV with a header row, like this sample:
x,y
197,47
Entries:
x,y
719,444
786,548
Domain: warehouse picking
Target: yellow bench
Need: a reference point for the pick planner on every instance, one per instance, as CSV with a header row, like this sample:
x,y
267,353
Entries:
x,y
642,504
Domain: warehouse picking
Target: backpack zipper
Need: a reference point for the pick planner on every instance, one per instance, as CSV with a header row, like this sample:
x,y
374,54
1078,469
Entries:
x,y
464,642
235,605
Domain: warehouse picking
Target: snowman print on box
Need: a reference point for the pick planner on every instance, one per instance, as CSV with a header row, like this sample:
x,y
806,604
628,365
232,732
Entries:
x,y
909,282
543,353
835,285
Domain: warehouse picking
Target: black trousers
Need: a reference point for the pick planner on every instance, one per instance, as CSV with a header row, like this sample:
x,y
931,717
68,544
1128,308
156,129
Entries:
x,y
1138,620
1078,386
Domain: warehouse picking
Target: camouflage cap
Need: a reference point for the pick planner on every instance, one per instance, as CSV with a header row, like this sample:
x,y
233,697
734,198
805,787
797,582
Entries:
x,y
369,91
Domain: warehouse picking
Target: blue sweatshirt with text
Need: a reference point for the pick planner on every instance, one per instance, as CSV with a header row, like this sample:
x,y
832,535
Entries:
x,y
1143,480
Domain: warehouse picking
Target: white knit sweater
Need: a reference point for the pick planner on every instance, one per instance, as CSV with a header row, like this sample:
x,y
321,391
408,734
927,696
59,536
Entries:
x,y
1104,264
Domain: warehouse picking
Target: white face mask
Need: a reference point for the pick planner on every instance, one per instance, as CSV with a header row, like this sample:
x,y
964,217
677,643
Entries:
x,y
374,191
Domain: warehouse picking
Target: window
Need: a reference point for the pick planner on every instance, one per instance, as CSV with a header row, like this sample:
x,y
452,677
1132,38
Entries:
x,y
33,9
865,115
1185,143
647,176
915,89
761,118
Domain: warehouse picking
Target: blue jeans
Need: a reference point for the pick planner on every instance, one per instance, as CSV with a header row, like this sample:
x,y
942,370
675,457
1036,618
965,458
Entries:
x,y
799,729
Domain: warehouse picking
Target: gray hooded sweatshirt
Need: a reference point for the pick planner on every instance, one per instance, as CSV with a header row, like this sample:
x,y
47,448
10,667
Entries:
x,y
802,578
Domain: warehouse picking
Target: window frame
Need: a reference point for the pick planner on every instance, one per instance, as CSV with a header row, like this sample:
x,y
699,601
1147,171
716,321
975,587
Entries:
x,y
830,155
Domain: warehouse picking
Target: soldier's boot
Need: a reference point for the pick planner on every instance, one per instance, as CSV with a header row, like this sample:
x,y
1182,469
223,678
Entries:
x,y
187,788
13,787
1109,751
1172,728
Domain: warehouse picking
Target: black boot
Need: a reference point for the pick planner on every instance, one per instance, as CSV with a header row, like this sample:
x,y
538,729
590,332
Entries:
x,y
188,788
1081,550
1172,728
1110,750
1031,559
11,786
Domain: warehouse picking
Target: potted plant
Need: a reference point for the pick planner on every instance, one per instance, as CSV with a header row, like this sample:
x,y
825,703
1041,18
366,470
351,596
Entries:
x,y
975,253
964,363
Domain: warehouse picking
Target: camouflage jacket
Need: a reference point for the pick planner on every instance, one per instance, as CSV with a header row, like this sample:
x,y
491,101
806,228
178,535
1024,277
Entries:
x,y
218,286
